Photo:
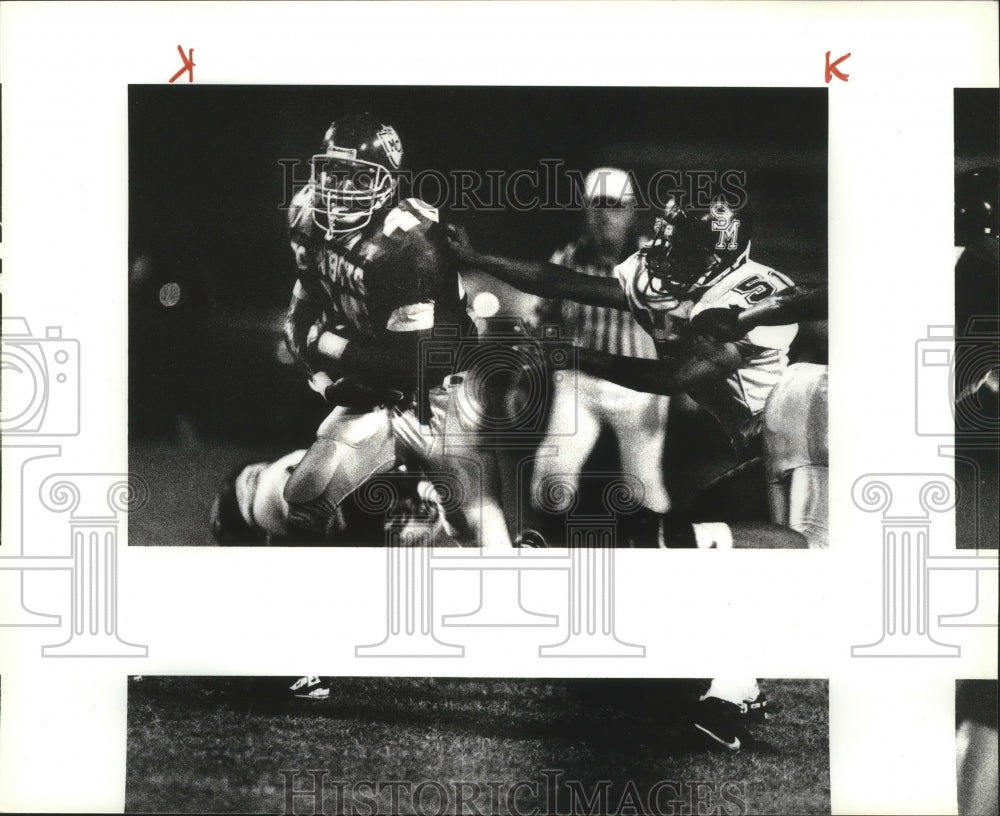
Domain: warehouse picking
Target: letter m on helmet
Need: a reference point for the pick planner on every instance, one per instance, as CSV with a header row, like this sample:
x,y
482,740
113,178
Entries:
x,y
724,224
729,235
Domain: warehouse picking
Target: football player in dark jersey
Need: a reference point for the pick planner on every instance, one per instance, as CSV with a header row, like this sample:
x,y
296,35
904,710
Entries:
x,y
374,282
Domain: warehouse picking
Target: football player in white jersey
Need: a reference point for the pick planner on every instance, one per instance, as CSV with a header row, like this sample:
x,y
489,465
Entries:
x,y
688,288
795,418
697,263
796,446
638,420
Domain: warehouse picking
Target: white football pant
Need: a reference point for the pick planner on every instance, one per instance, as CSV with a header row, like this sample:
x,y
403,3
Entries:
x,y
796,445
639,422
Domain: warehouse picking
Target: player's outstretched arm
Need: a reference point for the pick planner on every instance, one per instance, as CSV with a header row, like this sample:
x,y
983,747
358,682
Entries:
x,y
703,362
795,305
546,280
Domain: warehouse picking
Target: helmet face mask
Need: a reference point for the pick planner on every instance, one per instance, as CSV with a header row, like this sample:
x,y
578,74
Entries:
x,y
691,249
350,191
355,176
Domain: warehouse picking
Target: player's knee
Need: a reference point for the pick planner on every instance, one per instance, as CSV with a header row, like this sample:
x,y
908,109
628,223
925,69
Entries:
x,y
332,469
554,490
809,505
655,496
479,521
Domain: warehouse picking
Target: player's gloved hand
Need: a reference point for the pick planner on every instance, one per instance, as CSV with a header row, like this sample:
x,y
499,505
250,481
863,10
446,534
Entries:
x,y
721,325
314,353
458,243
351,393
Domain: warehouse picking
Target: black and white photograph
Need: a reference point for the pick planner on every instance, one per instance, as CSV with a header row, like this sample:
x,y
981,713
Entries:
x,y
501,313
977,411
404,745
976,747
977,316
475,358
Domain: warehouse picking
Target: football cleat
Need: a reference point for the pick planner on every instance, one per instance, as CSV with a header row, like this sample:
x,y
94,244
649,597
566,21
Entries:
x,y
310,687
720,721
725,722
759,709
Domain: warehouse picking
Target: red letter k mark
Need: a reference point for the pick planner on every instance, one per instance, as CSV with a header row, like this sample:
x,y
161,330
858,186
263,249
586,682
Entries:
x,y
831,68
189,64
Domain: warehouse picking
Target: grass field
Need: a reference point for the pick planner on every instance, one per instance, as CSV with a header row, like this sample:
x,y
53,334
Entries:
x,y
206,745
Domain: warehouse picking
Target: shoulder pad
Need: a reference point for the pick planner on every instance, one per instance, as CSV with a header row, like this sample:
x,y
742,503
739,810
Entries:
x,y
418,207
301,226
411,235
407,219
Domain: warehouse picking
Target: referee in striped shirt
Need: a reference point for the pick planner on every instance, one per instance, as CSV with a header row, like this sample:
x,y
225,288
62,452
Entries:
x,y
638,420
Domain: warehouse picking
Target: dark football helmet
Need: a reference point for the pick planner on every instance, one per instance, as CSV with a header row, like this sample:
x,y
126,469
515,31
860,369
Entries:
x,y
355,175
692,248
976,204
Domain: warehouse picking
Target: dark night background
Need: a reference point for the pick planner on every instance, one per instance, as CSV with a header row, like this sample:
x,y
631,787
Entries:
x,y
211,271
977,128
977,292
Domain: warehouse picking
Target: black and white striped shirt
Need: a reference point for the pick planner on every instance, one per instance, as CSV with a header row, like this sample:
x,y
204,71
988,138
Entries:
x,y
597,327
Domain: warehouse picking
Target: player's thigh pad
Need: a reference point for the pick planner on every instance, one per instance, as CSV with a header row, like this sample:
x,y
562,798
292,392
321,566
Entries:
x,y
449,443
453,447
641,431
351,446
456,421
571,433
796,420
